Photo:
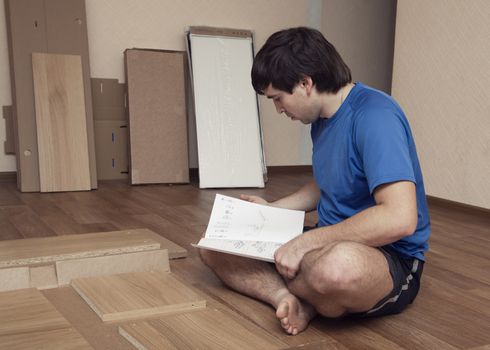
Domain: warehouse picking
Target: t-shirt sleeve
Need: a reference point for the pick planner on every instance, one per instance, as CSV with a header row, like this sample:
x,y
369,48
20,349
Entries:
x,y
382,140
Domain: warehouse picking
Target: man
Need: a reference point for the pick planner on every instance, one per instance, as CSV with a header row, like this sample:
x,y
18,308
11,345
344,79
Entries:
x,y
365,257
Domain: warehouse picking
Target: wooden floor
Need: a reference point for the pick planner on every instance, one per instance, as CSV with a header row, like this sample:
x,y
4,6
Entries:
x,y
451,312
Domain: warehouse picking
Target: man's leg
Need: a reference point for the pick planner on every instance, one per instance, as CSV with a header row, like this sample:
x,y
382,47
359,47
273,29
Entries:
x,y
259,280
345,277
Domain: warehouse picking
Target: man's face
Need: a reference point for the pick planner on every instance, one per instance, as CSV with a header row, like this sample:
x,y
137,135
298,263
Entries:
x,y
297,106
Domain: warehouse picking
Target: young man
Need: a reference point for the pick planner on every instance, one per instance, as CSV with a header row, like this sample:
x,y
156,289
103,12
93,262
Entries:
x,y
365,257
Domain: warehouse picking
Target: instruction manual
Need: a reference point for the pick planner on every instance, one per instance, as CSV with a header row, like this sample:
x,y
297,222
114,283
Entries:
x,y
248,229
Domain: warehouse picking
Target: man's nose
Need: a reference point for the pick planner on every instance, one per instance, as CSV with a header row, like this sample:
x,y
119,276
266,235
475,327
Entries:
x,y
279,107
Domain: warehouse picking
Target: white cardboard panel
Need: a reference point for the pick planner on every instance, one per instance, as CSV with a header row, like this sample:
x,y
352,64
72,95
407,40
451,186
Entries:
x,y
227,116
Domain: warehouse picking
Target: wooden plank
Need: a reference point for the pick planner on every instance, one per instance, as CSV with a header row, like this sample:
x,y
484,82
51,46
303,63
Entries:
x,y
158,149
175,251
27,310
61,123
68,270
43,277
205,329
57,339
136,295
101,335
14,278
31,251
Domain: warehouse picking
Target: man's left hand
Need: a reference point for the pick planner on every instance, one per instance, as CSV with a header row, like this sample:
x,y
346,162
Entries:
x,y
288,258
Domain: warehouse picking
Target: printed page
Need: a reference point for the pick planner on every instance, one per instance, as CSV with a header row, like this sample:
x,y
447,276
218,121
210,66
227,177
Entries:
x,y
235,219
251,249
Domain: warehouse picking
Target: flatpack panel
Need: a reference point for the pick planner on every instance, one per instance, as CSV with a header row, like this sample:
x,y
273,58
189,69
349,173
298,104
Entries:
x,y
157,117
66,29
26,28
136,295
32,251
61,123
227,117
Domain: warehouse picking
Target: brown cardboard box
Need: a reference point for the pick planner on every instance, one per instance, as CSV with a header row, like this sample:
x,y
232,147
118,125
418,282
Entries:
x,y
109,99
111,142
157,116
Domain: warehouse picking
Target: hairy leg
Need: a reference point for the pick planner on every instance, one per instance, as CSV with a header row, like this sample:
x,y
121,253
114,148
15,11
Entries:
x,y
260,280
344,277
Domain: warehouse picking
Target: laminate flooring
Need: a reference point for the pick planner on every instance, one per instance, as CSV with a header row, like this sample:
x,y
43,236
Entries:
x,y
452,310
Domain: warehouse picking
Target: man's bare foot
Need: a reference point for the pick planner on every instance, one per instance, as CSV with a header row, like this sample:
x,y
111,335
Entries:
x,y
294,314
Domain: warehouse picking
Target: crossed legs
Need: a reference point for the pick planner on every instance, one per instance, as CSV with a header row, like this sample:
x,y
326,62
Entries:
x,y
341,278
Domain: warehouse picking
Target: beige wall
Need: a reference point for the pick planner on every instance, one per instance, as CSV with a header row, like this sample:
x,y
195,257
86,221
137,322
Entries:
x,y
441,76
363,33
114,25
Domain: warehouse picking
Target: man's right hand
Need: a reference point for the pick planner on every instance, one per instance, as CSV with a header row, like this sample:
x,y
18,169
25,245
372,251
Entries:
x,y
254,199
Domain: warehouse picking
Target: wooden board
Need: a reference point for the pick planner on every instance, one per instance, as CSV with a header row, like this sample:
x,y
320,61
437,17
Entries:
x,y
61,123
30,251
27,310
43,277
175,251
158,149
206,329
67,270
57,339
14,278
136,295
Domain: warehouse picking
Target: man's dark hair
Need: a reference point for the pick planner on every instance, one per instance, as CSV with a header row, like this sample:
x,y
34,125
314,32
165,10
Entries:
x,y
292,54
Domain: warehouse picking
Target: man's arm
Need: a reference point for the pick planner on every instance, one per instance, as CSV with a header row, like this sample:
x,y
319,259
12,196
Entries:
x,y
306,198
393,217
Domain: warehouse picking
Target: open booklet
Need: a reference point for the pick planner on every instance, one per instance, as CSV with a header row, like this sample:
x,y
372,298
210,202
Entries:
x,y
247,229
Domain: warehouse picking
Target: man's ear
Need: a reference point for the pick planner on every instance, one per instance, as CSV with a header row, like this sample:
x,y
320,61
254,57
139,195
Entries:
x,y
307,83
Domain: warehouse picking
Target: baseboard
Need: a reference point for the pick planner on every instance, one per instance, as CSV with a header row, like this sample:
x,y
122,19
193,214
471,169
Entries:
x,y
462,207
289,169
276,169
8,176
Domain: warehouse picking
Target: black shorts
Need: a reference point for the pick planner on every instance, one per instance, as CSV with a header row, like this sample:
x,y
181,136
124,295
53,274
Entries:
x,y
406,274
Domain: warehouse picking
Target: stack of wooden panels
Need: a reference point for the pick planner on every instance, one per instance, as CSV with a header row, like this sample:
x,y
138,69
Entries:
x,y
29,321
52,261
46,26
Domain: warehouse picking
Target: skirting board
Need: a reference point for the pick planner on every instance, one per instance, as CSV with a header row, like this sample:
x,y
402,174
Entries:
x,y
136,295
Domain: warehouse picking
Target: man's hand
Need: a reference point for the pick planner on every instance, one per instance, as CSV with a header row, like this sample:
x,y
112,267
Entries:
x,y
288,257
254,199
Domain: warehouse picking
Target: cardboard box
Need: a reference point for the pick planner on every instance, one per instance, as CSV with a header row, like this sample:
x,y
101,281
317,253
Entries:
x,y
111,142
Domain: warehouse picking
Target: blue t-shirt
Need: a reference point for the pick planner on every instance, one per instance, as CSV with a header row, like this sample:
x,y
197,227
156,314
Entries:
x,y
367,143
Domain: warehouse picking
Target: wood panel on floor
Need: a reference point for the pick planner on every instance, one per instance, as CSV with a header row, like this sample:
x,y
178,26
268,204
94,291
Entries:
x,y
136,295
206,329
56,339
14,278
61,123
27,310
67,270
49,249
